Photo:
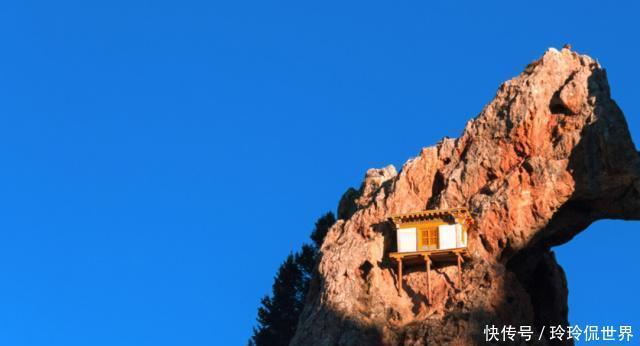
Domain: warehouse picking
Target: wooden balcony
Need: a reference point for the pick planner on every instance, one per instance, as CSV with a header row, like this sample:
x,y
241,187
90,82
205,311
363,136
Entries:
x,y
428,257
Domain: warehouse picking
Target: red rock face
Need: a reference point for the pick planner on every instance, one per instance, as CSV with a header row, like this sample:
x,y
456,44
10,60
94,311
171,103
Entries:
x,y
547,157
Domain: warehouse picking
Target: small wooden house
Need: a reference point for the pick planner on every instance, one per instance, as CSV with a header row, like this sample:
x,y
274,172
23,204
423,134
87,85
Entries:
x,y
431,236
432,230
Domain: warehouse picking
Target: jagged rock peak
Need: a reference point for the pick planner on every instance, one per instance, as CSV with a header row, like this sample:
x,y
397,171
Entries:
x,y
550,154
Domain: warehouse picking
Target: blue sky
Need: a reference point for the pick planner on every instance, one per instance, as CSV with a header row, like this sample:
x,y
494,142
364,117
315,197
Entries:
x,y
160,159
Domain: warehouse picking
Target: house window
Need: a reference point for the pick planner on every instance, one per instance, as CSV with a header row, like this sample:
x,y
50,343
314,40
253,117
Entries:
x,y
429,238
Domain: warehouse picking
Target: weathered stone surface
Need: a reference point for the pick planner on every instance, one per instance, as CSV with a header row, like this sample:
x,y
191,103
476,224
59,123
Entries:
x,y
547,157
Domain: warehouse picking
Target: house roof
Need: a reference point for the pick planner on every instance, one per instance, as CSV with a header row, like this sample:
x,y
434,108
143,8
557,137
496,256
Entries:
x,y
458,213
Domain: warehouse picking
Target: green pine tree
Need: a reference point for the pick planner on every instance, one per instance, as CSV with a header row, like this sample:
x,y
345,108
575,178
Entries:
x,y
322,227
278,314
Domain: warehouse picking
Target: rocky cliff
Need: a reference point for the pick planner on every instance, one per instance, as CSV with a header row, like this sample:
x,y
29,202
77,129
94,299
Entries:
x,y
547,157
